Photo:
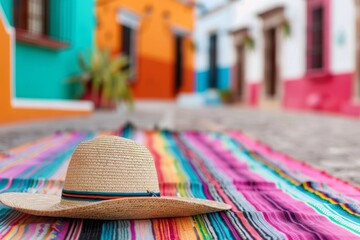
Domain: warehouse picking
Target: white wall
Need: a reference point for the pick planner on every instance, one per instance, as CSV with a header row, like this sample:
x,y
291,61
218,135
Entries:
x,y
292,54
342,39
211,4
244,13
246,16
220,22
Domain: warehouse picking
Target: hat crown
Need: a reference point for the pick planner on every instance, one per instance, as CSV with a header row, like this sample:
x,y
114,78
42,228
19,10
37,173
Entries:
x,y
111,166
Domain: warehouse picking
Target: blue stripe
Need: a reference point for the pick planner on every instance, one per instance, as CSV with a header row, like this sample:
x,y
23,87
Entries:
x,y
84,199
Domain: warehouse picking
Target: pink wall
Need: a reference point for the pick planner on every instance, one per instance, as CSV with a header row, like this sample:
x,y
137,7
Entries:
x,y
253,94
329,93
320,89
252,89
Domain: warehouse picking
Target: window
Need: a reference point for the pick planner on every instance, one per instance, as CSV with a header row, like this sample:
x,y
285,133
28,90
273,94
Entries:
x,y
31,16
129,23
128,48
316,50
179,62
37,17
213,76
32,22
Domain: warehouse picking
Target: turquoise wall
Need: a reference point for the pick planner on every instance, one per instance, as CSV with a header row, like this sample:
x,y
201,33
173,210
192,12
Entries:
x,y
202,79
201,83
7,6
41,72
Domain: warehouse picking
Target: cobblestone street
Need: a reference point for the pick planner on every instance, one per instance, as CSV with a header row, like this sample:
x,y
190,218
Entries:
x,y
327,142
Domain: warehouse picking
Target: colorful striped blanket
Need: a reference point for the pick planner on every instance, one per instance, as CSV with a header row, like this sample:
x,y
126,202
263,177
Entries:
x,y
272,196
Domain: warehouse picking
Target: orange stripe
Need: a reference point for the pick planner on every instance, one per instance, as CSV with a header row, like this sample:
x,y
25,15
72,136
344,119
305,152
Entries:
x,y
91,196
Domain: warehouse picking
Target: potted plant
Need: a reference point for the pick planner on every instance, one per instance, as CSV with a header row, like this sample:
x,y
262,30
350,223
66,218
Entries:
x,y
104,79
226,96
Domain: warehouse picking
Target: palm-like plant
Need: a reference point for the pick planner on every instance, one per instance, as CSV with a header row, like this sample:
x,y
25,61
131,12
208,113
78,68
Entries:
x,y
105,77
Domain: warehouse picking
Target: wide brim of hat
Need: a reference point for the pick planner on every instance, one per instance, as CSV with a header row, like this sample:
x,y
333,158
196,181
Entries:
x,y
123,208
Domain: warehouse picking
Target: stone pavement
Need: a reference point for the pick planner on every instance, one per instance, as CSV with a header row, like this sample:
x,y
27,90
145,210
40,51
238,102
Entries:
x,y
328,142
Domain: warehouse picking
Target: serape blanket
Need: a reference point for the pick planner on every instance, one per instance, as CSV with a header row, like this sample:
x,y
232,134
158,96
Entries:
x,y
272,196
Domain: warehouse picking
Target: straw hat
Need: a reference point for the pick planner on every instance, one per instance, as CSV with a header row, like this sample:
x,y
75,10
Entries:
x,y
110,178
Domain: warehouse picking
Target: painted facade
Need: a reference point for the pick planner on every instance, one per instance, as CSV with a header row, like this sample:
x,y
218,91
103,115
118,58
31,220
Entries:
x,y
77,34
157,37
34,70
289,65
327,87
290,60
214,18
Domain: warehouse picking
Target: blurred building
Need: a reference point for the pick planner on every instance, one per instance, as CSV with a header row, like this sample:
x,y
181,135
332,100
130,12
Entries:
x,y
294,54
157,37
40,40
214,47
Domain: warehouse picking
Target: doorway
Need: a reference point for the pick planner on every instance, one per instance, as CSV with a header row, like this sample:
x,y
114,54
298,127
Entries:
x,y
213,77
271,93
271,75
179,61
240,72
240,37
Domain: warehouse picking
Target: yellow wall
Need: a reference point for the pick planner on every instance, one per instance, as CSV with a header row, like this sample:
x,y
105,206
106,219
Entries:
x,y
155,42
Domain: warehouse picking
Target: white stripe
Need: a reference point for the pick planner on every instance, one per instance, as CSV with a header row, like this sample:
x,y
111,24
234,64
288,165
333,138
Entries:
x,y
72,105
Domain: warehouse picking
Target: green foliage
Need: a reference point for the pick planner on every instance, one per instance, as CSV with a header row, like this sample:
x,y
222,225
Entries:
x,y
286,28
106,77
250,42
225,95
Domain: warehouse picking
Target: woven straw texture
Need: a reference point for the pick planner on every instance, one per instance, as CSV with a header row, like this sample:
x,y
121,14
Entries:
x,y
126,208
111,164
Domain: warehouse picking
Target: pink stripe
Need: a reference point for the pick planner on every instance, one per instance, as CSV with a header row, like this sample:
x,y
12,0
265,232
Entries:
x,y
132,230
286,204
307,170
217,164
18,169
7,186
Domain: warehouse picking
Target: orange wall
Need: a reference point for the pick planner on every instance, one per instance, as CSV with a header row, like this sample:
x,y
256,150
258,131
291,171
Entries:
x,y
4,68
155,44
